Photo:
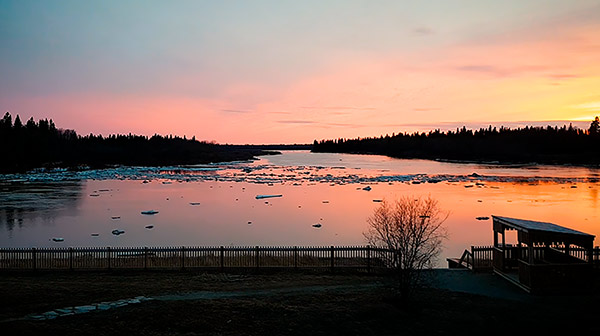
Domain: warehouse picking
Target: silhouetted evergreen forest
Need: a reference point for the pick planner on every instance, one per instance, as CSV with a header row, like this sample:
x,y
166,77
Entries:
x,y
548,145
42,144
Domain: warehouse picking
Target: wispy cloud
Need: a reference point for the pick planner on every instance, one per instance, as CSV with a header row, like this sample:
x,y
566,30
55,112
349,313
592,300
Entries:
x,y
338,108
591,106
425,109
296,122
279,112
563,76
488,70
423,31
515,70
343,125
236,111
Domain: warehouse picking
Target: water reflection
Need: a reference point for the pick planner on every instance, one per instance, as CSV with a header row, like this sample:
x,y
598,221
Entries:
x,y
24,203
217,205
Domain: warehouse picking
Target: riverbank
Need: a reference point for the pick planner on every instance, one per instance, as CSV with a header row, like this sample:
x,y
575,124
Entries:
x,y
276,304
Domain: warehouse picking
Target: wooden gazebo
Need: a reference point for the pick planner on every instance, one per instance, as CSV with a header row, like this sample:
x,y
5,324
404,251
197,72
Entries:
x,y
547,257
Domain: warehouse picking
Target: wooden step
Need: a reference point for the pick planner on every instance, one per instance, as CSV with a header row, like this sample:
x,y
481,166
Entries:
x,y
455,263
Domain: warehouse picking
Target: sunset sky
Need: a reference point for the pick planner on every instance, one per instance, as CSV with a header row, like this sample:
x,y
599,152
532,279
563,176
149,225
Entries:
x,y
294,71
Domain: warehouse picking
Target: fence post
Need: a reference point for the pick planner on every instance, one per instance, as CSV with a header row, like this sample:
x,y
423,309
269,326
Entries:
x,y
257,257
145,257
108,256
295,256
331,257
368,258
183,257
222,258
34,257
472,257
70,258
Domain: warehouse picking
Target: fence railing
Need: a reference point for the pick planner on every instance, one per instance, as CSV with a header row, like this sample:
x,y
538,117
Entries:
x,y
482,256
189,257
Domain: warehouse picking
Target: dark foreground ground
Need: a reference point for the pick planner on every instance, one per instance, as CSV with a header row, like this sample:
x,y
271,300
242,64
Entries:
x,y
285,304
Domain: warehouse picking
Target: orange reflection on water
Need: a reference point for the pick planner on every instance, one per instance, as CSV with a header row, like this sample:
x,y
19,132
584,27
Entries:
x,y
229,213
226,212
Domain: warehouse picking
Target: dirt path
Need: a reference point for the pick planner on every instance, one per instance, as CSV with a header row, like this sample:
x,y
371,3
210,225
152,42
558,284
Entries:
x,y
202,295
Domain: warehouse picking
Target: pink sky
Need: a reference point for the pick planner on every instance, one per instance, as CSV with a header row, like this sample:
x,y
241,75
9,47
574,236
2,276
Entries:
x,y
263,85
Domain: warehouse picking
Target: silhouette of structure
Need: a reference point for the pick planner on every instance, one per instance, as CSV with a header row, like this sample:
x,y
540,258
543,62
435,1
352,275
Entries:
x,y
543,260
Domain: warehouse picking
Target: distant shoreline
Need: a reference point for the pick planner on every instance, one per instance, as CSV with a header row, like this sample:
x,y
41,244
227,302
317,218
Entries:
x,y
515,164
523,146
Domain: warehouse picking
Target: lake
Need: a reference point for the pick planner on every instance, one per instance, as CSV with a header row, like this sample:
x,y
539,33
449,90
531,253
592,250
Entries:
x,y
216,204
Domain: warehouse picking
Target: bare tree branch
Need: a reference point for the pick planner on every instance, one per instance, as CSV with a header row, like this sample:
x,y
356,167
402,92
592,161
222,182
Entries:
x,y
413,229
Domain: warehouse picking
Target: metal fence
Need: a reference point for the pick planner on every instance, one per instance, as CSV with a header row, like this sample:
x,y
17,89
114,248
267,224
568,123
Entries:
x,y
195,257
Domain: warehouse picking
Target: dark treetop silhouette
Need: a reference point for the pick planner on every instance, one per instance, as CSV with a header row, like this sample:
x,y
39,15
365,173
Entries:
x,y
548,145
42,144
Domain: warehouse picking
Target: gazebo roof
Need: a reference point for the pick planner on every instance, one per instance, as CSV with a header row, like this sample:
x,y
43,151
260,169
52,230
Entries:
x,y
529,225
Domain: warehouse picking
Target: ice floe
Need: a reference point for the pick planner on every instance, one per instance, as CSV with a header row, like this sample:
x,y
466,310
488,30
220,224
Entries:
x,y
267,196
268,174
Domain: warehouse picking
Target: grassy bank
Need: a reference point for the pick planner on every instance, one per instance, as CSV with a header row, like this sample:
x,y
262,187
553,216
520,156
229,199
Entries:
x,y
273,304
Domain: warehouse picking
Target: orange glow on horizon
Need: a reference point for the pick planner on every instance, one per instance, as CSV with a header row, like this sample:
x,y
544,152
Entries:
x,y
531,79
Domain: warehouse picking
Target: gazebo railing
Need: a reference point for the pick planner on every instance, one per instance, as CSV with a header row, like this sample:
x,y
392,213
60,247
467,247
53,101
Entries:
x,y
484,257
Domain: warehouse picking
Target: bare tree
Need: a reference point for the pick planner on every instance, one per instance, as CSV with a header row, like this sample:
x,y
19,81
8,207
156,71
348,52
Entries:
x,y
412,228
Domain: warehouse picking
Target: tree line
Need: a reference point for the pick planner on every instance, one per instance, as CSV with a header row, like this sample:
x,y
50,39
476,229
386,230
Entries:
x,y
548,145
41,144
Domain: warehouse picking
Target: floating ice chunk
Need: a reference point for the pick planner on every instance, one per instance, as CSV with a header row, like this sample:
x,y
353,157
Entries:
x,y
58,239
318,225
482,218
102,306
117,232
84,309
50,315
267,196
149,212
64,311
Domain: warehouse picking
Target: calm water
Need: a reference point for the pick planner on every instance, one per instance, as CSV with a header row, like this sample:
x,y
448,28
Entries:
x,y
216,204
